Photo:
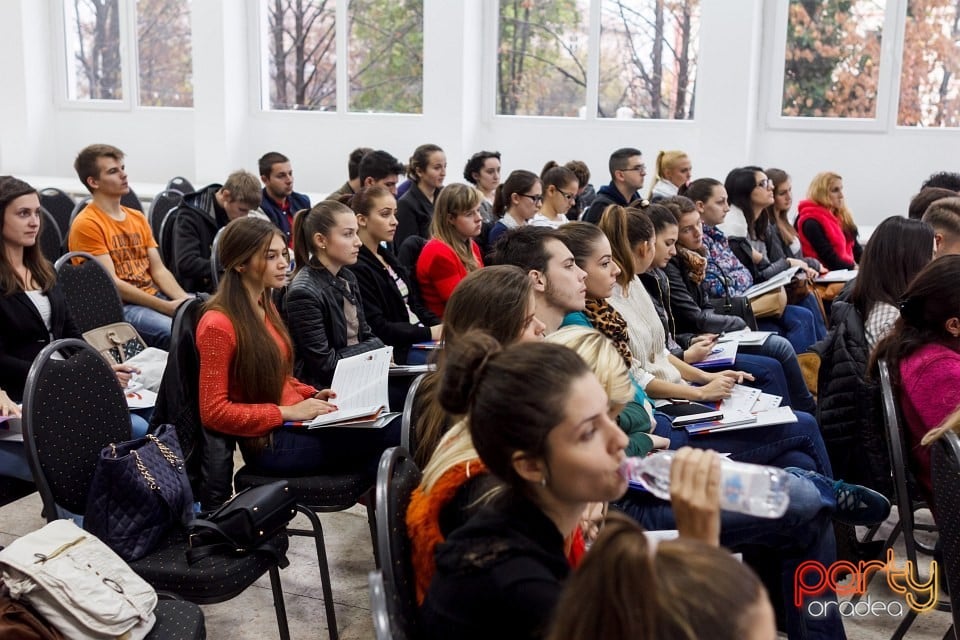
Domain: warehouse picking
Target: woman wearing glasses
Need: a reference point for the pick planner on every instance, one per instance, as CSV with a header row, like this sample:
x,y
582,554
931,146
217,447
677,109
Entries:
x,y
452,252
560,186
517,200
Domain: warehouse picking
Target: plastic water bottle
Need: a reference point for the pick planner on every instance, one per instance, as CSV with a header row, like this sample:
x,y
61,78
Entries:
x,y
753,489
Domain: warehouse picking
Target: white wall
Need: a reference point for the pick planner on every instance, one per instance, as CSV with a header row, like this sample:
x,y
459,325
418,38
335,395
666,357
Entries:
x,y
226,129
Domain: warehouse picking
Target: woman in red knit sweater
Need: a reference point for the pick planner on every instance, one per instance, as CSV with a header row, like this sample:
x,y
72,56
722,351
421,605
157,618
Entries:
x,y
247,388
452,253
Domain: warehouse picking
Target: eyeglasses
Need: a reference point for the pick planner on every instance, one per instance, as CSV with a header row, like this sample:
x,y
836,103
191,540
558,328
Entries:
x,y
642,168
536,199
766,182
569,196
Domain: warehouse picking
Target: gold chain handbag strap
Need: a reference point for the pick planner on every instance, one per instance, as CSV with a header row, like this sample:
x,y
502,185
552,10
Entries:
x,y
142,468
166,451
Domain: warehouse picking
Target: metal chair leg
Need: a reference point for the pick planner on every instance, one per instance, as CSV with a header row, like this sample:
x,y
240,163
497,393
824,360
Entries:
x,y
278,604
325,583
372,522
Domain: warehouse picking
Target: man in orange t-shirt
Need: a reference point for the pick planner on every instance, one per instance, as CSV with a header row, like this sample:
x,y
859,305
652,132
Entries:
x,y
121,241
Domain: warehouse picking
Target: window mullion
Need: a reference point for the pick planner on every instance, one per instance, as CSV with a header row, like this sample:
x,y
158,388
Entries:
x,y
343,66
593,61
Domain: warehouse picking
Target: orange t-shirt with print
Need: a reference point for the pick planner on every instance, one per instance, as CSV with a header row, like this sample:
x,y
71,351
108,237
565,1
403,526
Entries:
x,y
127,242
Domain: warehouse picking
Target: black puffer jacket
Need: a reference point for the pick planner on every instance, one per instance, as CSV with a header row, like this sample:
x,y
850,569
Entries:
x,y
318,327
849,405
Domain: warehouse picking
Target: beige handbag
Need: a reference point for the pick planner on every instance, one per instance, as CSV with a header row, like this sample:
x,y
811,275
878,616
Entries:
x,y
770,305
117,342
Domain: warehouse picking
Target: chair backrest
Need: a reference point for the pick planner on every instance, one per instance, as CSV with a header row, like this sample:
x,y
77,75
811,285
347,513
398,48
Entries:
x,y
161,204
945,458
378,607
899,461
215,267
51,240
180,184
397,477
408,421
165,239
77,208
91,296
409,252
60,205
131,201
72,408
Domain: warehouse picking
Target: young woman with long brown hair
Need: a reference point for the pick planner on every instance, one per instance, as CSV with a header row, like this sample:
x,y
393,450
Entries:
x,y
826,227
247,387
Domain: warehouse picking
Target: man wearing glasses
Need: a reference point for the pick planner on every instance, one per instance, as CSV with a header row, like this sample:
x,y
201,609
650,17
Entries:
x,y
627,173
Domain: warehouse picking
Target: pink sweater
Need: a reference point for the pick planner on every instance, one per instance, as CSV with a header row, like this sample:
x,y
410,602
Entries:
x,y
930,391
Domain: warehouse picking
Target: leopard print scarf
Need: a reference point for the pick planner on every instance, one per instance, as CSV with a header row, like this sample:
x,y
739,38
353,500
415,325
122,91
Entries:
x,y
610,323
694,263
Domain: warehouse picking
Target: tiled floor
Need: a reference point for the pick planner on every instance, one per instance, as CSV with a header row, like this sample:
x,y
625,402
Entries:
x,y
351,557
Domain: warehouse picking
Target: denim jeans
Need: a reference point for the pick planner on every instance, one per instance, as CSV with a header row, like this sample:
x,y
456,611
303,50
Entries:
x,y
297,451
797,324
779,348
153,326
767,374
13,461
803,533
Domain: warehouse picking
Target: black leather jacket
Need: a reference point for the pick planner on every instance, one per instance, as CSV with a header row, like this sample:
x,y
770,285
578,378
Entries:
x,y
691,311
318,327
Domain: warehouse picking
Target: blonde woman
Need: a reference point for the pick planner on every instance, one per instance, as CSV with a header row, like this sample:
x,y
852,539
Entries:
x,y
452,253
826,227
673,171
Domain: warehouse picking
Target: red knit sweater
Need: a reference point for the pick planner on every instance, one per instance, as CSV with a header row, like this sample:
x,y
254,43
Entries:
x,y
217,344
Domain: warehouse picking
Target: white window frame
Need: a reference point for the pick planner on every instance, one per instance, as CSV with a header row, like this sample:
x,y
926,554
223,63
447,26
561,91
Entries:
x,y
774,23
259,63
491,36
129,64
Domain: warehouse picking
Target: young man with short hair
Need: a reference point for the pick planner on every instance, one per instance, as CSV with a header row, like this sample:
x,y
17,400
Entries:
x,y
944,216
121,241
558,283
380,168
353,183
200,217
279,201
627,173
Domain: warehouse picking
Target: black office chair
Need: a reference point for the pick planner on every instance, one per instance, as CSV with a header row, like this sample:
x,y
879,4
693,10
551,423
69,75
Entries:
x,y
378,607
51,240
408,420
159,206
60,205
906,505
165,239
397,477
180,184
131,201
216,268
945,469
91,295
77,208
72,408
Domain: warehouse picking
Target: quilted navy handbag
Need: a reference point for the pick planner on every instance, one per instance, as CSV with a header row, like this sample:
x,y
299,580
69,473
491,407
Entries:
x,y
140,492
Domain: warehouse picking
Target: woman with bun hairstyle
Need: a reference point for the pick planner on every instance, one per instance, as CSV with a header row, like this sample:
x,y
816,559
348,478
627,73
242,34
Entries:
x,y
923,354
517,201
391,300
560,187
426,170
826,227
452,252
555,449
671,174
247,387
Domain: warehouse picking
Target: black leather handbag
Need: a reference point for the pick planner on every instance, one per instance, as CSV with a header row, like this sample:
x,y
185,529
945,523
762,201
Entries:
x,y
139,493
247,523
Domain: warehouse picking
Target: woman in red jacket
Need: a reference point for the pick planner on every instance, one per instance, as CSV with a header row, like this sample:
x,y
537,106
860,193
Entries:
x,y
452,253
826,227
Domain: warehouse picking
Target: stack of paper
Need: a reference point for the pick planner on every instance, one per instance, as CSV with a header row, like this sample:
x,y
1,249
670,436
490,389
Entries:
x,y
779,280
840,275
360,383
722,355
746,337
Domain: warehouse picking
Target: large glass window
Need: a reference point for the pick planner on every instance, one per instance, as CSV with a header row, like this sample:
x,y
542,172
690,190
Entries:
x,y
97,53
648,58
832,61
384,53
647,64
929,86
